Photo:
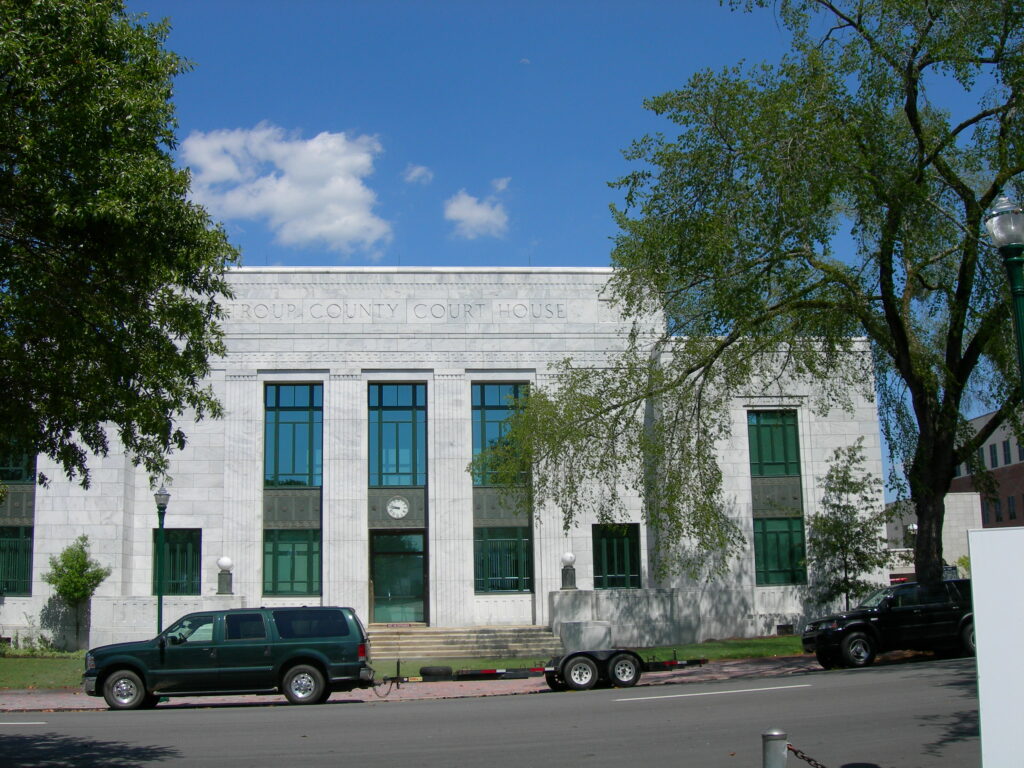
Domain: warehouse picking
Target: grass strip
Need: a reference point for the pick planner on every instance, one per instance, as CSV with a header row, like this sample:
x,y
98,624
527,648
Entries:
x,y
65,670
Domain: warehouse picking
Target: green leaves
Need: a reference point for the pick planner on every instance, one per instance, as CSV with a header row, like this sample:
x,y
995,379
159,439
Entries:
x,y
801,214
108,274
845,545
74,575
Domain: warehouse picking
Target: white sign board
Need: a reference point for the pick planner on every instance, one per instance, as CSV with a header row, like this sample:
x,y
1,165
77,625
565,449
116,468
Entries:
x,y
997,579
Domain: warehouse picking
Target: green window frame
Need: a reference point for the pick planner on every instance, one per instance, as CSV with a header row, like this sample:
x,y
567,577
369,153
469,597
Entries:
x,y
17,469
779,551
503,559
779,543
16,560
183,557
616,556
492,405
774,445
398,435
291,561
293,432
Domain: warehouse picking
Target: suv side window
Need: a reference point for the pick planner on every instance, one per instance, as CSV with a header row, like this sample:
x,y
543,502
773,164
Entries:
x,y
299,624
905,597
244,626
933,595
193,629
959,592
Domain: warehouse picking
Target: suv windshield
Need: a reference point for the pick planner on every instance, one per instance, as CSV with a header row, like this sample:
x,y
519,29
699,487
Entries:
x,y
875,598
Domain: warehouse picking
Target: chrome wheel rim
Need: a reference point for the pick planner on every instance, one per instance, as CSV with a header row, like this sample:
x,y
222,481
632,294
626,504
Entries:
x,y
580,674
625,671
124,690
859,650
303,685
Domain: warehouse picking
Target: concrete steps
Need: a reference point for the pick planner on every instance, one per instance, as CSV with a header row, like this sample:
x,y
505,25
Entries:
x,y
388,641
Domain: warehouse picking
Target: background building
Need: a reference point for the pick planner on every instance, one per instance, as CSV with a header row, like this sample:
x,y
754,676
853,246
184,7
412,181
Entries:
x,y
354,400
1003,456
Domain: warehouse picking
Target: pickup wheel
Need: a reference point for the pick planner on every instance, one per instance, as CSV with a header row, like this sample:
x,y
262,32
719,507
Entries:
x,y
858,650
123,689
624,670
580,674
303,684
967,639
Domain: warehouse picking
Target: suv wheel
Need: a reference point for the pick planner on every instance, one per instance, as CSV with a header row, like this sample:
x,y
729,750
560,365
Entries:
x,y
827,660
858,650
123,689
967,638
303,684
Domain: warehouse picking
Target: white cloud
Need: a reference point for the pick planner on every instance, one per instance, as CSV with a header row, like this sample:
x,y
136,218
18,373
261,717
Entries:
x,y
500,185
474,217
309,192
418,174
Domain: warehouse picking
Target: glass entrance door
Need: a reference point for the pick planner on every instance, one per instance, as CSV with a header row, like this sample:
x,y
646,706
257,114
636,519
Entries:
x,y
397,563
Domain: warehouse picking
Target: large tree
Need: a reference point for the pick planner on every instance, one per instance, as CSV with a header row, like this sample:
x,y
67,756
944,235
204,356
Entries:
x,y
108,274
837,194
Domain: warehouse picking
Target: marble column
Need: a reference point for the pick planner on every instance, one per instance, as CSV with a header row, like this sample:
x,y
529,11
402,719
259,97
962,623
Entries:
x,y
243,483
450,521
345,540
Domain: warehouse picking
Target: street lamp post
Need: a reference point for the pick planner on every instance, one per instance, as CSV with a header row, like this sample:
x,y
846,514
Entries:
x,y
162,497
1005,224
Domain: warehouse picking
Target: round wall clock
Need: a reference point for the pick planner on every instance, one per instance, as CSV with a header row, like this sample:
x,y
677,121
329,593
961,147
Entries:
x,y
398,507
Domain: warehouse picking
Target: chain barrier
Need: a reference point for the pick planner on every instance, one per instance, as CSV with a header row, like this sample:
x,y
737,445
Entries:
x,y
803,756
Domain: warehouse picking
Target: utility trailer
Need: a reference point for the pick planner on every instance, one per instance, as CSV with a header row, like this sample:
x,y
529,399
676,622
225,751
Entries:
x,y
574,671
618,667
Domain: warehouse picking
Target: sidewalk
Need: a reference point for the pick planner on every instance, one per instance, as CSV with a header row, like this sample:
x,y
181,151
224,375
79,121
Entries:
x,y
70,699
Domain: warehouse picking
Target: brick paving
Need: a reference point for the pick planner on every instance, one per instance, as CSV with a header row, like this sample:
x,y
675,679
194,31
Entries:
x,y
70,699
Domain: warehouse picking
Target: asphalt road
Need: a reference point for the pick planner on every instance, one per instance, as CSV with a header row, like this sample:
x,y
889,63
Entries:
x,y
900,716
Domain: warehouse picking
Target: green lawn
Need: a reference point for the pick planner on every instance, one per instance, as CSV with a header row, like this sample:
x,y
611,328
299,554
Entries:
x,y
66,671
31,672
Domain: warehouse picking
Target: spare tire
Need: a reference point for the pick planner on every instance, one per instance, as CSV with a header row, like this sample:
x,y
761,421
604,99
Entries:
x,y
432,674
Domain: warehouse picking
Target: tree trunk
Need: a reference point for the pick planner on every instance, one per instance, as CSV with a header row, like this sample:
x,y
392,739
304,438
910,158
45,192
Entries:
x,y
931,509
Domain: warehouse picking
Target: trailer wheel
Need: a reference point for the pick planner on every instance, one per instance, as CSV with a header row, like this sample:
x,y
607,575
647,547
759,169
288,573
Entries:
x,y
624,670
553,682
580,673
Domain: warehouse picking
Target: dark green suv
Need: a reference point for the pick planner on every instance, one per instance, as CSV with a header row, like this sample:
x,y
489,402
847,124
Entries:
x,y
304,653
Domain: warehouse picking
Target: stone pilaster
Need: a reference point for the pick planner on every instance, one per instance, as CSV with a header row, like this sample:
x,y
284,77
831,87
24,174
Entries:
x,y
345,543
243,482
450,521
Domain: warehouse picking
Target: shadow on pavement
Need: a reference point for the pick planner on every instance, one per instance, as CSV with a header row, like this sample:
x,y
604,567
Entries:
x,y
54,750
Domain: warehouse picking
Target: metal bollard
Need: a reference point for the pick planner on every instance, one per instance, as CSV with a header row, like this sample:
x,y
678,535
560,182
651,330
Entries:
x,y
774,748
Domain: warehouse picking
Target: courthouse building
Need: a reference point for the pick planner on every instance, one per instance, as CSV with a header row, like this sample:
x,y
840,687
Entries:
x,y
354,399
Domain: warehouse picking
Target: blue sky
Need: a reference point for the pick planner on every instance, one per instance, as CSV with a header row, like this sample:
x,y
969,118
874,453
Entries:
x,y
447,133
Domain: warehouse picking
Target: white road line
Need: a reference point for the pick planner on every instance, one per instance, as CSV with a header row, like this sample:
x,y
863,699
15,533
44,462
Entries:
x,y
39,722
718,693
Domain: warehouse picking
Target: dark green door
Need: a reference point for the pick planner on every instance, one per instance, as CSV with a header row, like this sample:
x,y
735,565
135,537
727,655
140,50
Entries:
x,y
188,659
397,572
245,660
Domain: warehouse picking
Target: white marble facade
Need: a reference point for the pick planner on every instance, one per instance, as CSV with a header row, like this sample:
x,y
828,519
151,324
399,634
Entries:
x,y
347,328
